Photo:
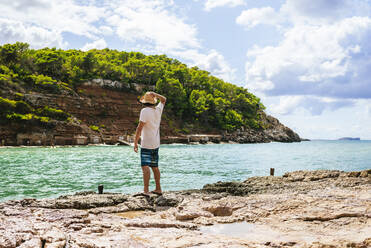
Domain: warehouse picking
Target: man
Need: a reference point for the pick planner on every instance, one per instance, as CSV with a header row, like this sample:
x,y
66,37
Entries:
x,y
149,131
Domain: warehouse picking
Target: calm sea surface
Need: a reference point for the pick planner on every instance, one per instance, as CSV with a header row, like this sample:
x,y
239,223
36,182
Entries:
x,y
50,172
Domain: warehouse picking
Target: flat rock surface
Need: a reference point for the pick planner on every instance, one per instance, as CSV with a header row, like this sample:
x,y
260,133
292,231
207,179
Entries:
x,y
300,209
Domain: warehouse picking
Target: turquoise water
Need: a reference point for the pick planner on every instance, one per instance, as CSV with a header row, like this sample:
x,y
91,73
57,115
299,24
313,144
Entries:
x,y
49,172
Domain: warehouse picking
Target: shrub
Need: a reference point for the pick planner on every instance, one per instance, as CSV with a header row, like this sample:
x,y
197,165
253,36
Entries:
x,y
233,120
19,117
7,105
94,128
53,113
22,107
44,119
46,83
4,69
185,130
19,95
4,78
29,118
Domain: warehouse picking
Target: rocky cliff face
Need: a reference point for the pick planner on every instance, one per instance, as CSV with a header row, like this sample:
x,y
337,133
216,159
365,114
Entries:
x,y
275,131
114,110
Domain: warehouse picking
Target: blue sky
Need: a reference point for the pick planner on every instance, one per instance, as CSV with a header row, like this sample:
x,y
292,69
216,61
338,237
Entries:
x,y
308,60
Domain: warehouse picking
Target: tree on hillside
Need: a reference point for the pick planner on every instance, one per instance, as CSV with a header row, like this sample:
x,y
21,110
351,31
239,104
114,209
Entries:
x,y
49,62
175,93
194,96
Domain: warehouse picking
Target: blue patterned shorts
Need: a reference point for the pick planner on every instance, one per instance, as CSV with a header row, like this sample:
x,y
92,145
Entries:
x,y
149,157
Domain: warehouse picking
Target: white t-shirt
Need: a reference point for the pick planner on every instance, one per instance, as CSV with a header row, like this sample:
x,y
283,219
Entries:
x,y
150,137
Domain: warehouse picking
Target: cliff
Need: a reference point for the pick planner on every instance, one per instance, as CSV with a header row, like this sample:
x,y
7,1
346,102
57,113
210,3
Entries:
x,y
102,112
70,97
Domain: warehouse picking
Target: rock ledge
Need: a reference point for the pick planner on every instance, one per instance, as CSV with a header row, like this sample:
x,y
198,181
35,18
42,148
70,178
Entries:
x,y
300,209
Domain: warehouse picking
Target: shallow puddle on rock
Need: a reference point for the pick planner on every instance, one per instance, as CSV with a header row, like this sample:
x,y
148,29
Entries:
x,y
131,214
251,232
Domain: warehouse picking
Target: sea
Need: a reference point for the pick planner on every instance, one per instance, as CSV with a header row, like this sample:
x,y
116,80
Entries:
x,y
47,172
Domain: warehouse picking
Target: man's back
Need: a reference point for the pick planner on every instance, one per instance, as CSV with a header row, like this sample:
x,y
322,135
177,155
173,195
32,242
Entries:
x,y
150,137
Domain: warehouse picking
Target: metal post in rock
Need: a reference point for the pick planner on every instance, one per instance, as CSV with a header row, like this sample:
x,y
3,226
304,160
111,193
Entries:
x,y
100,189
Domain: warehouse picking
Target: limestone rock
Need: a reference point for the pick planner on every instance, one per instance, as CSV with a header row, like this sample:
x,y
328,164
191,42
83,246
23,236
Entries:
x,y
234,188
168,200
82,200
190,215
299,209
217,210
311,175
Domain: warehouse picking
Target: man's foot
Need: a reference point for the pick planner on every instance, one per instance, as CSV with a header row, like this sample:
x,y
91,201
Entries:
x,y
156,192
141,194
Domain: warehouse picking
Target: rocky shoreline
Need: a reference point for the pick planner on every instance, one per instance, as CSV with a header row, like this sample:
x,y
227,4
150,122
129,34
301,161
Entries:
x,y
299,209
101,113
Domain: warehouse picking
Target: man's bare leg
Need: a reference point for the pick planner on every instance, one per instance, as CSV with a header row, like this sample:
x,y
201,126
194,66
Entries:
x,y
157,174
146,177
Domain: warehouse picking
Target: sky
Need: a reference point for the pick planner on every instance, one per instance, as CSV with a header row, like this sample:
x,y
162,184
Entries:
x,y
308,60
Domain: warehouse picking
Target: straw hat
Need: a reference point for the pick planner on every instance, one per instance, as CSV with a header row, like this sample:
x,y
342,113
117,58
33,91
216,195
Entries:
x,y
148,98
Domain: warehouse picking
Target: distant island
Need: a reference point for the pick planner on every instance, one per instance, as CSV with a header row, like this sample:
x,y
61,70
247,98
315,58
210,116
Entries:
x,y
350,138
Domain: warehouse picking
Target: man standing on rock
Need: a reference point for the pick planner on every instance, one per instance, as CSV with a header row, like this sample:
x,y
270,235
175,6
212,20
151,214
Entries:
x,y
149,131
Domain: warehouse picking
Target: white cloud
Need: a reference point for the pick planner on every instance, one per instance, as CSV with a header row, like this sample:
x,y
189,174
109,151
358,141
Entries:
x,y
13,31
151,22
255,16
320,11
212,61
144,25
322,62
210,4
325,60
305,12
215,63
161,31
105,30
54,17
287,105
351,120
98,44
315,105
42,23
367,105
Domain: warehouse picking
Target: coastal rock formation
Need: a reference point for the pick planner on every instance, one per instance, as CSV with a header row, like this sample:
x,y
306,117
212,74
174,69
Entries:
x,y
300,209
105,111
274,131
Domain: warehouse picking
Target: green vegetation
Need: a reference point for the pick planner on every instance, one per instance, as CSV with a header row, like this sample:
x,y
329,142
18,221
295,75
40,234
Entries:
x,y
195,98
21,112
94,128
53,113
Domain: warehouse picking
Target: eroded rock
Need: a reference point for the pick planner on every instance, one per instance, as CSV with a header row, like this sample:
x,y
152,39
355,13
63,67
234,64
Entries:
x,y
82,200
299,209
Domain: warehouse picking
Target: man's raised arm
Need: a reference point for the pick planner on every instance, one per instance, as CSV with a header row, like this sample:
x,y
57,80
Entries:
x,y
161,97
